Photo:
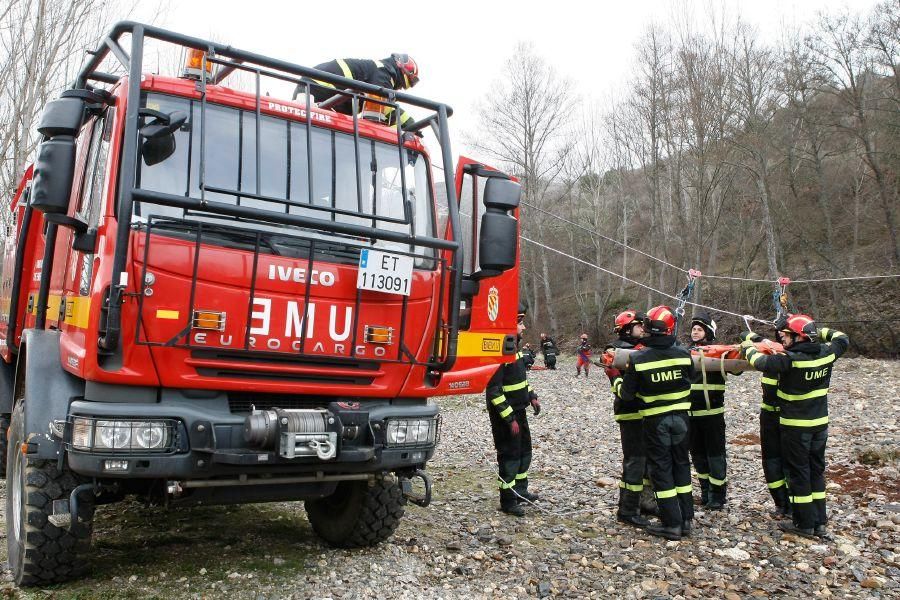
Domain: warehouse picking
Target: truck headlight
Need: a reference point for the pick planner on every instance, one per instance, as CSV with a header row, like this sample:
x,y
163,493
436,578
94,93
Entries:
x,y
411,432
127,435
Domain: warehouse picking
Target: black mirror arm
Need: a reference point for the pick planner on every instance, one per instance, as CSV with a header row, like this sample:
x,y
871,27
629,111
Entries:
x,y
163,125
66,221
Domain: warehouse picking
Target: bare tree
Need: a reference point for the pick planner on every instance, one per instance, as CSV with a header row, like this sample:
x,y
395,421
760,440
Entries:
x,y
523,121
755,91
884,40
842,54
42,45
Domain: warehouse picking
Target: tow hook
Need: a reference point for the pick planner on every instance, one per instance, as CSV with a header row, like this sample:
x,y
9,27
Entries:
x,y
406,486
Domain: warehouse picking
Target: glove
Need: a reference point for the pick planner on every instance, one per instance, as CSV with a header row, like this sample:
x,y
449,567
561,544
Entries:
x,y
536,405
745,347
514,428
612,373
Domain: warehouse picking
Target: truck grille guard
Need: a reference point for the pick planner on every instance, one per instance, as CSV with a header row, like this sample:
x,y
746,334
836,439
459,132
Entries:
x,y
244,362
231,59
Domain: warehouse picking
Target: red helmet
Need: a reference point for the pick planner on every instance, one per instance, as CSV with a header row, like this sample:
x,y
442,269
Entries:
x,y
801,325
408,68
660,320
625,319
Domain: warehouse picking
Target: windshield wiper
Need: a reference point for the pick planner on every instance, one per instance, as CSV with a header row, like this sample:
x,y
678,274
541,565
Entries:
x,y
219,231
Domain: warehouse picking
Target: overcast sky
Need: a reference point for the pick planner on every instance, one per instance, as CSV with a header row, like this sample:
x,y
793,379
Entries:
x,y
461,46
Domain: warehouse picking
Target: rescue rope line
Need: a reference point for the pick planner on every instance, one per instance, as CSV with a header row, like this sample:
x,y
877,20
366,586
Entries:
x,y
600,235
670,265
846,278
645,286
567,512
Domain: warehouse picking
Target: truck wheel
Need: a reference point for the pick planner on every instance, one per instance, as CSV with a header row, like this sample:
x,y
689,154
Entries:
x,y
39,552
4,440
357,514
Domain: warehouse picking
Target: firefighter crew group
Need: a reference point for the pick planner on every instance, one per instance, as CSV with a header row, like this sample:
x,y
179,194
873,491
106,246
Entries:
x,y
671,413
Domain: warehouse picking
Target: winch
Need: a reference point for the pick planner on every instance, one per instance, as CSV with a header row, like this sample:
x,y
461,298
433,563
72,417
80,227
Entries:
x,y
296,433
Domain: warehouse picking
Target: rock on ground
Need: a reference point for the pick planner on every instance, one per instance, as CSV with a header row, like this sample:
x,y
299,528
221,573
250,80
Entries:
x,y
570,544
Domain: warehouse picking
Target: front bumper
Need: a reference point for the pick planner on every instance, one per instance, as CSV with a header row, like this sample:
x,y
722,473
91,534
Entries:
x,y
208,441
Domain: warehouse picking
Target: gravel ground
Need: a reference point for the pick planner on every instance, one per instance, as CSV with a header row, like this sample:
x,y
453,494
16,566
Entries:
x,y
569,545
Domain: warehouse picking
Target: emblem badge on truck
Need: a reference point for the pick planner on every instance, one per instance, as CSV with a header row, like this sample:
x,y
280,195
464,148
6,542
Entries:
x,y
493,303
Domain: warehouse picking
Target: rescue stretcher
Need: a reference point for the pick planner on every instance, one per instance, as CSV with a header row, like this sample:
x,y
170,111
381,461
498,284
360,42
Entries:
x,y
718,357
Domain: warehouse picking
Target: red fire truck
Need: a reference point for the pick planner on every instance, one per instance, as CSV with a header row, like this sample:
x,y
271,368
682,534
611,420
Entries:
x,y
213,296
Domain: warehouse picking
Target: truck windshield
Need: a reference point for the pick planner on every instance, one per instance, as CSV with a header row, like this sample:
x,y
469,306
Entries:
x,y
281,174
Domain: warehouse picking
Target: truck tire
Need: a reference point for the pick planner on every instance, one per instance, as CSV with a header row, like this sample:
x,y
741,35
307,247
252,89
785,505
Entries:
x,y
357,514
4,440
39,552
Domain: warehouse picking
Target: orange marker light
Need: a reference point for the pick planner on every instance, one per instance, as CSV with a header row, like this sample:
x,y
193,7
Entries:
x,y
379,334
208,319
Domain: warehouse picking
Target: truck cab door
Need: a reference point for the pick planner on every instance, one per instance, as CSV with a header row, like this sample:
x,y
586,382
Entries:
x,y
12,264
490,298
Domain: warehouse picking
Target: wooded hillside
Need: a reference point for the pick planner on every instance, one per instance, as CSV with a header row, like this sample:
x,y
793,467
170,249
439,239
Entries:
x,y
722,153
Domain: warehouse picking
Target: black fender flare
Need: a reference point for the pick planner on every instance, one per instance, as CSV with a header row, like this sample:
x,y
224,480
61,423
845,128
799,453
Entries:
x,y
48,390
7,381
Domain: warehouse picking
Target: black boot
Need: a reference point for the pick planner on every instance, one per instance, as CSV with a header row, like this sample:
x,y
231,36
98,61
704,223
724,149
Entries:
x,y
704,492
686,528
822,532
782,502
510,504
716,498
670,533
628,509
791,527
783,508
524,494
633,520
648,502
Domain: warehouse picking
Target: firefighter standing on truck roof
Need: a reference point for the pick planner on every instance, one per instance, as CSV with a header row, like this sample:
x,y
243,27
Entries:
x,y
397,72
508,396
659,376
708,419
770,438
629,327
804,375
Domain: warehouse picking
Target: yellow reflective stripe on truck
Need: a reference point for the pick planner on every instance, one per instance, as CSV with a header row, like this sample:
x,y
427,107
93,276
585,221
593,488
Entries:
x,y
78,309
479,344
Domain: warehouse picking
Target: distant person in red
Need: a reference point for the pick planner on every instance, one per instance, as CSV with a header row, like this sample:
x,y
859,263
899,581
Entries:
x,y
584,356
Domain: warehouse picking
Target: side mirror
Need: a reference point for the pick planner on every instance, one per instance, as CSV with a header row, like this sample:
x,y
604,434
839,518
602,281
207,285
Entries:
x,y
502,194
54,166
159,135
498,245
54,170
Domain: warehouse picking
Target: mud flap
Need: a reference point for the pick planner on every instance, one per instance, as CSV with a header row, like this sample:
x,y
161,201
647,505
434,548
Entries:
x,y
7,376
